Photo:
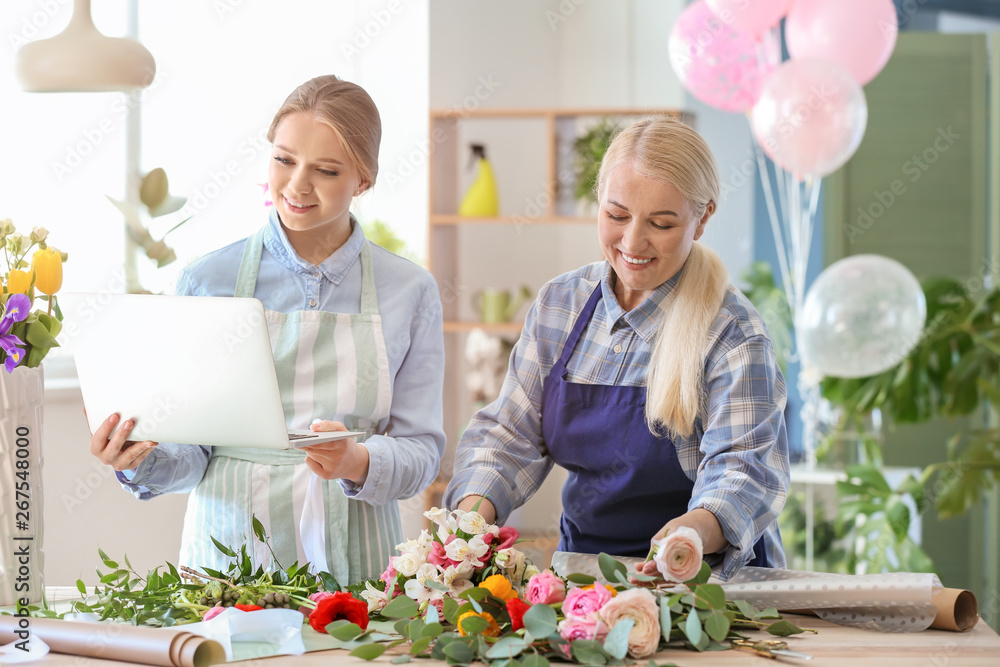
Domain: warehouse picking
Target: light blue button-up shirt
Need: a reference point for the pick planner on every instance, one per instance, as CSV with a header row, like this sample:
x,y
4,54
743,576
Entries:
x,y
405,457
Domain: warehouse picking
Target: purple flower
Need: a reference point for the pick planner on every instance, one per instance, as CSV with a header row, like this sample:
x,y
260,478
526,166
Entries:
x,y
17,307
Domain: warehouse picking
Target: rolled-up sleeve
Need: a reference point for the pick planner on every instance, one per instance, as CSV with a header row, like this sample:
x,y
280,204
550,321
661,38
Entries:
x,y
743,477
502,455
405,459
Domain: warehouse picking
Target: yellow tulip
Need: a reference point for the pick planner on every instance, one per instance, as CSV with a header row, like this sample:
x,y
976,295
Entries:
x,y
47,265
18,282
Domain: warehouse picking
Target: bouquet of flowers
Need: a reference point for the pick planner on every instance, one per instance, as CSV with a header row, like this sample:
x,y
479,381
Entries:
x,y
26,336
467,574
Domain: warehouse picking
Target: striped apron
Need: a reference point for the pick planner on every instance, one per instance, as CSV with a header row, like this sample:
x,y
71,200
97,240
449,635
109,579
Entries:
x,y
330,366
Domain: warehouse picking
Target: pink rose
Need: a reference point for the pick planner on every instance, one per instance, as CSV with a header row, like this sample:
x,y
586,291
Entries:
x,y
545,588
639,605
315,597
678,555
573,629
212,613
583,604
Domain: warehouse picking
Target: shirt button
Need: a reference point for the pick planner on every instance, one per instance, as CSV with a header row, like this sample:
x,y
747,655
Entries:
x,y
315,274
618,349
312,303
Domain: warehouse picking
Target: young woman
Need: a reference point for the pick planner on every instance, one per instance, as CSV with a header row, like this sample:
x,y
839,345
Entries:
x,y
647,376
358,345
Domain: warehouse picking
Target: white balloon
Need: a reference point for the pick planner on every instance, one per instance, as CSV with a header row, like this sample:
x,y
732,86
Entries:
x,y
862,316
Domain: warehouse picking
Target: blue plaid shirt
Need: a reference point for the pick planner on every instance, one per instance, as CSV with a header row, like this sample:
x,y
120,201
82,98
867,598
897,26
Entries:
x,y
737,455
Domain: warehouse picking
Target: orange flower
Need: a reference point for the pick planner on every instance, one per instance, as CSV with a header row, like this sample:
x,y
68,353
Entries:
x,y
610,588
18,282
499,587
47,266
492,631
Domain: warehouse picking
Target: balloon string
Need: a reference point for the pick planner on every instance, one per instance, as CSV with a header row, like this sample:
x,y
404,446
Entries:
x,y
772,214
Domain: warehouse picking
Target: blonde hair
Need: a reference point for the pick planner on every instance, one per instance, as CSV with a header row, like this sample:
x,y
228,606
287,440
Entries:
x,y
666,149
348,110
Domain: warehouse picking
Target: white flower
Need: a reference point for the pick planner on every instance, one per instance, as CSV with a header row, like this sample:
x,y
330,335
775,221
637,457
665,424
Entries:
x,y
420,547
407,564
462,551
453,573
439,516
417,591
375,598
474,523
428,571
460,585
529,571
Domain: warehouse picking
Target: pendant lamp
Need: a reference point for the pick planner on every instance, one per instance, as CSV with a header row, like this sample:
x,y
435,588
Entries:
x,y
80,59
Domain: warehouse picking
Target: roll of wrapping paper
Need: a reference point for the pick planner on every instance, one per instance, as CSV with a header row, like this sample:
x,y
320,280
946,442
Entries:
x,y
117,641
956,610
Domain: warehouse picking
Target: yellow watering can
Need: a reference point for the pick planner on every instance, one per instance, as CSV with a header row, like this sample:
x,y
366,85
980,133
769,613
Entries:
x,y
499,305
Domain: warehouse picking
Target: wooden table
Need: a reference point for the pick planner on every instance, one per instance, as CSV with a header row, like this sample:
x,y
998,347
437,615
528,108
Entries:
x,y
834,645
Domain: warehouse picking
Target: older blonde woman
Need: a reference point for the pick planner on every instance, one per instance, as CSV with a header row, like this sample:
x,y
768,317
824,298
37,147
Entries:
x,y
647,376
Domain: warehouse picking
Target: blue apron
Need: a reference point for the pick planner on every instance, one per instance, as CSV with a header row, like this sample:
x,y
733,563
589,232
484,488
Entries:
x,y
624,483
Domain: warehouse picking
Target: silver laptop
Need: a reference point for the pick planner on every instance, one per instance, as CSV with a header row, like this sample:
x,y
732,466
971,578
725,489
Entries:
x,y
186,369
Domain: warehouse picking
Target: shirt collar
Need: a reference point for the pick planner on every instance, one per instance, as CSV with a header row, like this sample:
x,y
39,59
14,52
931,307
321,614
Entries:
x,y
333,268
646,317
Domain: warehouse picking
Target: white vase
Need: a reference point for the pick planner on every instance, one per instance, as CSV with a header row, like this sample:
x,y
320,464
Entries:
x,y
22,395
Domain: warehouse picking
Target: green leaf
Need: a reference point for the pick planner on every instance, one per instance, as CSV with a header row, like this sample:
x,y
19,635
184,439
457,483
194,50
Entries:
x,y
80,586
710,596
871,479
432,629
368,651
717,625
540,621
329,582
588,652
343,630
616,643
692,627
703,574
459,652
223,548
535,660
401,607
473,625
258,529
609,566
665,620
431,615
582,579
767,614
747,609
898,515
507,647
420,645
784,628
415,628
450,610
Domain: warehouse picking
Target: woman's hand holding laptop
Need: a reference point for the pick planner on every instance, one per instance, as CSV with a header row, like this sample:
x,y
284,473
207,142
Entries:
x,y
341,459
114,450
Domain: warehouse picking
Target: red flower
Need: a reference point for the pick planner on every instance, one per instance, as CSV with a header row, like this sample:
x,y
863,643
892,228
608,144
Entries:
x,y
337,606
516,608
247,607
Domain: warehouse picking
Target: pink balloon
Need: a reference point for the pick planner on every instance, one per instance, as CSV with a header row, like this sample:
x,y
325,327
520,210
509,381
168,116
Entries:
x,y
720,65
858,34
811,116
752,16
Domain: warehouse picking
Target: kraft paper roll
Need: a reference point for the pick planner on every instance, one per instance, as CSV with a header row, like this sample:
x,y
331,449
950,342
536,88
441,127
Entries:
x,y
957,609
163,647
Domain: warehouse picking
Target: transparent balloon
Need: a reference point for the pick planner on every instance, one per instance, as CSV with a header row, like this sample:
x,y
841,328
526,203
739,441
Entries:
x,y
811,116
862,316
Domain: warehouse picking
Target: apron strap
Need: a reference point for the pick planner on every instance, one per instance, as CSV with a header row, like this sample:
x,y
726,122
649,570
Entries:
x,y
246,279
369,300
581,323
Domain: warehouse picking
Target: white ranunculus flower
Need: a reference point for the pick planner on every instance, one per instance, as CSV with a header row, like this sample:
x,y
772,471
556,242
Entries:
x,y
407,564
